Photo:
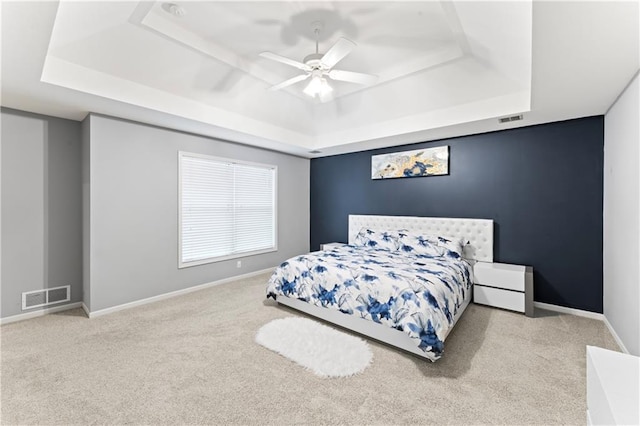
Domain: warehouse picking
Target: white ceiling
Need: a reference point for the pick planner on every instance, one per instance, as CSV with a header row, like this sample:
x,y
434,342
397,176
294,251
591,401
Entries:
x,y
445,68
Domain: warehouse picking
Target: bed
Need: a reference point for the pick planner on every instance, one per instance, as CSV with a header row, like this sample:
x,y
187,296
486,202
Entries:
x,y
401,280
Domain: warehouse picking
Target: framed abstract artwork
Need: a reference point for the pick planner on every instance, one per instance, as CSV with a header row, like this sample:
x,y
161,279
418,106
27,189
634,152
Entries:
x,y
416,163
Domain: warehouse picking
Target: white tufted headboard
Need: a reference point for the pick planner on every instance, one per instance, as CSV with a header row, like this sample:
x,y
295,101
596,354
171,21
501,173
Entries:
x,y
479,232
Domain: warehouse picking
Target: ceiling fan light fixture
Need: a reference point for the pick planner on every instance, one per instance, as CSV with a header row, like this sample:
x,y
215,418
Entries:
x,y
325,87
317,66
318,86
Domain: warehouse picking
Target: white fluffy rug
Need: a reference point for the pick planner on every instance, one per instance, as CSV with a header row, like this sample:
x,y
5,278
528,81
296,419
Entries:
x,y
321,349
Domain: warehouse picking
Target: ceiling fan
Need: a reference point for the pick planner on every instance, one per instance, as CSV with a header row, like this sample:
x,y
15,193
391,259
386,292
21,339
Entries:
x,y
318,67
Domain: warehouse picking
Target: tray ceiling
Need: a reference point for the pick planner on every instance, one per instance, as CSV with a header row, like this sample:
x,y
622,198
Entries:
x,y
441,65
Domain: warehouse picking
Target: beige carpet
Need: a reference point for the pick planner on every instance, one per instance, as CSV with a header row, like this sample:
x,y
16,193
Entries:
x,y
193,360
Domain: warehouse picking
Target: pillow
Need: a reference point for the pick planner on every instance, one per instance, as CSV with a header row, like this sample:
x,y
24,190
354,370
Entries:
x,y
410,242
377,239
451,246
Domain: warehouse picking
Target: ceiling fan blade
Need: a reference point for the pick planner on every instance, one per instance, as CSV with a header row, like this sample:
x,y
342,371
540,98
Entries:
x,y
339,50
284,60
289,82
353,77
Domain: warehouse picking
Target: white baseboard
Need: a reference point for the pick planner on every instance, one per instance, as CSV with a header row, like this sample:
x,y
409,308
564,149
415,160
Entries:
x,y
586,314
85,309
570,311
39,313
94,314
623,348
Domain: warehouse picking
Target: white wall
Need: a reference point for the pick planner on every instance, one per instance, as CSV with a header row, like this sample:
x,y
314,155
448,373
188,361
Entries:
x,y
133,211
622,217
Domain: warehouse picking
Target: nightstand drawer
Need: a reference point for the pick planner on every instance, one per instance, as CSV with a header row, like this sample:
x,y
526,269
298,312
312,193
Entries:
x,y
501,275
499,298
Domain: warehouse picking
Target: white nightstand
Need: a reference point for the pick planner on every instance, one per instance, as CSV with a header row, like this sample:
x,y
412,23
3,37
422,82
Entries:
x,y
329,246
504,286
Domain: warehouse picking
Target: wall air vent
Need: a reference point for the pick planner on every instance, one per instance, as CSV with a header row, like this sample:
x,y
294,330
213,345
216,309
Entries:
x,y
508,119
46,297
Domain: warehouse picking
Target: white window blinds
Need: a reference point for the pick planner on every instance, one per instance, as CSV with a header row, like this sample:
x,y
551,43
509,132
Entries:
x,y
227,209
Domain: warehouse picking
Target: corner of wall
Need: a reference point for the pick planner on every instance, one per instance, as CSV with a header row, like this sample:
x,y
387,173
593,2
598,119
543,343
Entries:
x,y
41,173
86,222
621,217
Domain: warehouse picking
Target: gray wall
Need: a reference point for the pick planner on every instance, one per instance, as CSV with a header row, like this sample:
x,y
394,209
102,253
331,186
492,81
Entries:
x,y
41,207
134,211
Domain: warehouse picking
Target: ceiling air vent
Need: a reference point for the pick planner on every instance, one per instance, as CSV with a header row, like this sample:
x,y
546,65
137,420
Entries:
x,y
508,119
46,297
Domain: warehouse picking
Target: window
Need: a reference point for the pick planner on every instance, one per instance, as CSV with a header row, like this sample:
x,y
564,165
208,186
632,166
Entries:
x,y
227,209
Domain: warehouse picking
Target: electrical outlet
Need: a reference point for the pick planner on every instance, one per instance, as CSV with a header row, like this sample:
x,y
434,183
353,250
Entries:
x,y
239,264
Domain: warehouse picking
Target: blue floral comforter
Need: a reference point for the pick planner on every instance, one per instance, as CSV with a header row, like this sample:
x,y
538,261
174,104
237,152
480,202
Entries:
x,y
418,294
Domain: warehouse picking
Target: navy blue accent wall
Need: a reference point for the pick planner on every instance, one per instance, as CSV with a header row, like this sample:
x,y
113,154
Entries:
x,y
542,185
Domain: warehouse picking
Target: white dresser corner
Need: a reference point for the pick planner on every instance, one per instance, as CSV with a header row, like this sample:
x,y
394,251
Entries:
x,y
613,387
